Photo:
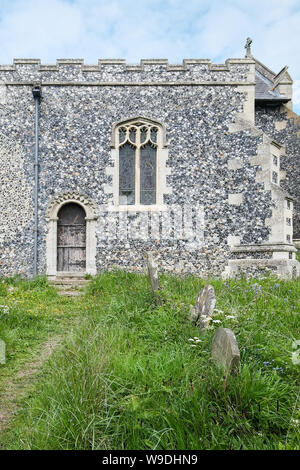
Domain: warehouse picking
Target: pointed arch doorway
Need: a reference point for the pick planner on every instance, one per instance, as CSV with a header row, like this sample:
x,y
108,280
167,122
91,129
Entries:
x,y
71,238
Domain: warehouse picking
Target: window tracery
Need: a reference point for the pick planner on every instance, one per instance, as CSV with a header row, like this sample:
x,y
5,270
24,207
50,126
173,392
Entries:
x,y
138,144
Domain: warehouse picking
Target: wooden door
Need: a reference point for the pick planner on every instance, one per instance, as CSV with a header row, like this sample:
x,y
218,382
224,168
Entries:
x,y
71,238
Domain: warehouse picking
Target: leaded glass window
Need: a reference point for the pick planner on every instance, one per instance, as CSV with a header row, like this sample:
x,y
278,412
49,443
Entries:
x,y
143,135
138,144
148,174
127,174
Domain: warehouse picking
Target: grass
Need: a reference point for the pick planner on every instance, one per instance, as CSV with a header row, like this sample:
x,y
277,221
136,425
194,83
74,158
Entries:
x,y
136,375
30,312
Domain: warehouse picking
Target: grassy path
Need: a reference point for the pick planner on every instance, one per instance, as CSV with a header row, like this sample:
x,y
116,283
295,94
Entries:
x,y
34,321
23,381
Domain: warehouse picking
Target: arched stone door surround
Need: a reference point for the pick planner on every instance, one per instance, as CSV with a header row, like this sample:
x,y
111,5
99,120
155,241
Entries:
x,y
52,218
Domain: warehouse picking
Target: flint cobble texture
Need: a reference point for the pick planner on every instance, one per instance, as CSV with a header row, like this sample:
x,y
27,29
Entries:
x,y
75,134
265,119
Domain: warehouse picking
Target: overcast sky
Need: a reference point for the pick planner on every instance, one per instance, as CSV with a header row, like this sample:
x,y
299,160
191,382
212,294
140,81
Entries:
x,y
143,29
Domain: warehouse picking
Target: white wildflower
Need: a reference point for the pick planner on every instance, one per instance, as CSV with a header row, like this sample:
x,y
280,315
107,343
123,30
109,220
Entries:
x,y
205,319
216,321
4,309
296,357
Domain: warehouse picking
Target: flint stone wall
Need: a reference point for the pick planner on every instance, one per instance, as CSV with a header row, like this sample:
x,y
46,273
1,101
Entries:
x,y
284,126
76,119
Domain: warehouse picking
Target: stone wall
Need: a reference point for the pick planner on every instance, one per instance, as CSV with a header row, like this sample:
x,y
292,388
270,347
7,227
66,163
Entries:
x,y
209,165
284,126
117,71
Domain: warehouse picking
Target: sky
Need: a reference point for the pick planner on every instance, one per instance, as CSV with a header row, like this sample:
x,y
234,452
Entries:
x,y
144,29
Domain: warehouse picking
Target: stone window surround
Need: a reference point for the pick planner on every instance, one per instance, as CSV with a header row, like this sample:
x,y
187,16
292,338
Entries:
x,y
51,240
137,130
162,169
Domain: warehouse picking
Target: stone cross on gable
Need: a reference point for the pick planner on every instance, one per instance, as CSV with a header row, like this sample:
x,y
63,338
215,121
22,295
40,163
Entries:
x,y
248,47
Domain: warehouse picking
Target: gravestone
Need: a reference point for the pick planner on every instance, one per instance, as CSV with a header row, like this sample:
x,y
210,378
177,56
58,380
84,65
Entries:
x,y
152,272
193,314
203,310
225,350
2,352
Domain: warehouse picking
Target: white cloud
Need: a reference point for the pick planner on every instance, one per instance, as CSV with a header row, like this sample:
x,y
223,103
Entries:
x,y
39,29
173,29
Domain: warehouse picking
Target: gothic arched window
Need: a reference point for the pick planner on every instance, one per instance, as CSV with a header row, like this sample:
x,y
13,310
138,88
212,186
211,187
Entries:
x,y
138,143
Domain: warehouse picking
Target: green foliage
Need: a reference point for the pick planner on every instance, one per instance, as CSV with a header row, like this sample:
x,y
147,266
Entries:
x,y
137,375
30,312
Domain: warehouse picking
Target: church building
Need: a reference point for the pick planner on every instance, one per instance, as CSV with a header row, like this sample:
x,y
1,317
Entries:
x,y
198,163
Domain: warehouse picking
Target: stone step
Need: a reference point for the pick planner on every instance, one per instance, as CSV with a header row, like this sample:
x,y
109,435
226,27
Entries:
x,y
70,282
66,293
69,286
70,275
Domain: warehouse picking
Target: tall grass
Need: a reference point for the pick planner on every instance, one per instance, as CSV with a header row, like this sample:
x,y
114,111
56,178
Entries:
x,y
30,312
137,375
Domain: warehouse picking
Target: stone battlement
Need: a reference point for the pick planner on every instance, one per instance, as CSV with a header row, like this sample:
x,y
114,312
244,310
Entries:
x,y
233,71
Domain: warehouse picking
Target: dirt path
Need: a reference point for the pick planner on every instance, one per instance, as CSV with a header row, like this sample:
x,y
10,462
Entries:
x,y
17,388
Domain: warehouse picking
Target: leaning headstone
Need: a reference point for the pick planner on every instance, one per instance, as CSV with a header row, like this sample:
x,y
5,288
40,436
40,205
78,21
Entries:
x,y
2,352
193,314
225,350
204,308
152,272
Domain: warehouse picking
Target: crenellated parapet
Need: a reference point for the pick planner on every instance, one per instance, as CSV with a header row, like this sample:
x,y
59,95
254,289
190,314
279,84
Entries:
x,y
117,71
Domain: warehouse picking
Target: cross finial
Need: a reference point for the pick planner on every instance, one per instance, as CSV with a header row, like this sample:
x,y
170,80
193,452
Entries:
x,y
248,47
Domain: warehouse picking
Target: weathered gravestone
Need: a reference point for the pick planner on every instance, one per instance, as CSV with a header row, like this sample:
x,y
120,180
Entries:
x,y
2,352
225,350
204,308
153,273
